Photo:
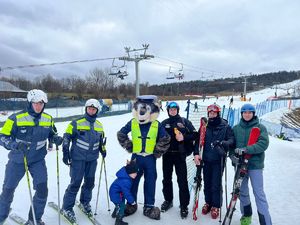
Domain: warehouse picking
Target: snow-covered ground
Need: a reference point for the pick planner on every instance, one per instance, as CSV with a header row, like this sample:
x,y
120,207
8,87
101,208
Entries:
x,y
282,172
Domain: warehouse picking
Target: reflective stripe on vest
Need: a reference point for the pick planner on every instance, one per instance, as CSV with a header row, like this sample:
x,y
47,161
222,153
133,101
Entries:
x,y
83,124
137,137
25,119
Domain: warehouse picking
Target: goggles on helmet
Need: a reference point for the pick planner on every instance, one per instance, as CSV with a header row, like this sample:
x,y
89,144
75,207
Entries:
x,y
214,108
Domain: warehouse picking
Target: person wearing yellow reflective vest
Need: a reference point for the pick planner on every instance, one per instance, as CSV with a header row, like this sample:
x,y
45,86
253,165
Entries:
x,y
25,135
149,141
86,135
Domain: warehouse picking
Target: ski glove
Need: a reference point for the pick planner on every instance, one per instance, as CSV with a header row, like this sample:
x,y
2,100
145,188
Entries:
x,y
234,160
58,140
103,152
240,151
66,158
23,146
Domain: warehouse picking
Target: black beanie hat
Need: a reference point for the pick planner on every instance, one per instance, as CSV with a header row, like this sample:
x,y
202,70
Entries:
x,y
131,167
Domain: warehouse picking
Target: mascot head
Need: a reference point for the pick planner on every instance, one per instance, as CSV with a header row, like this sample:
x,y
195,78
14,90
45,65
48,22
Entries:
x,y
146,108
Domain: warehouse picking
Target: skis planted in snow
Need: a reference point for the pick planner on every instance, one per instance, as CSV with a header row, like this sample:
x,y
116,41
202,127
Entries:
x,y
197,188
239,176
198,178
54,206
90,216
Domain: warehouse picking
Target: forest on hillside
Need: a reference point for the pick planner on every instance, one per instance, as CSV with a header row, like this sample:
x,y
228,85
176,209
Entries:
x,y
99,84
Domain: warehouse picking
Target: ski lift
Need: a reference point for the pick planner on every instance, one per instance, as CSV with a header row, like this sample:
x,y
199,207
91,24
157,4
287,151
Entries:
x,y
118,71
180,74
170,75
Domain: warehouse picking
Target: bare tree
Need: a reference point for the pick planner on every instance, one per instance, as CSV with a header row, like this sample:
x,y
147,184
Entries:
x,y
100,84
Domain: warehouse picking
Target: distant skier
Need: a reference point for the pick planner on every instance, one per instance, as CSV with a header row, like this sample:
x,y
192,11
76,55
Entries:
x,y
196,107
231,101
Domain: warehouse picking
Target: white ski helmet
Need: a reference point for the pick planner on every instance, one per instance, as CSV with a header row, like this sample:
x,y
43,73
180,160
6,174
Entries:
x,y
36,95
93,103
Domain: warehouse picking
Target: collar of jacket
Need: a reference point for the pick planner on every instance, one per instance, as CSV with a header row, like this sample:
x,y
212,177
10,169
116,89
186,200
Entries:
x,y
89,118
253,122
32,112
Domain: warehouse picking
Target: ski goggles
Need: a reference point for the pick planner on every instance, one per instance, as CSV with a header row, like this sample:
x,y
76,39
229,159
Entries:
x,y
173,105
214,108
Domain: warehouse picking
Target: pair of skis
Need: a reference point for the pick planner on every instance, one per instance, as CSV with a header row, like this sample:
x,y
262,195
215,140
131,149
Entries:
x,y
240,173
198,178
90,216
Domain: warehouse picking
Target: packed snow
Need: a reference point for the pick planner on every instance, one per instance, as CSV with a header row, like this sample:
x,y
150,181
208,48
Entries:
x,y
281,179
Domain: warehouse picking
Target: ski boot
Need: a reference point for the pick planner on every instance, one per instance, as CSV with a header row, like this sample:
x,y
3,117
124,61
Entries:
x,y
31,222
245,220
166,206
206,209
119,221
214,212
69,214
152,212
184,212
86,208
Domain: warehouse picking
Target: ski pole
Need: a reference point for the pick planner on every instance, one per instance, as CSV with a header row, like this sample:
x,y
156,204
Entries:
x,y
58,189
226,183
99,187
221,191
106,186
29,188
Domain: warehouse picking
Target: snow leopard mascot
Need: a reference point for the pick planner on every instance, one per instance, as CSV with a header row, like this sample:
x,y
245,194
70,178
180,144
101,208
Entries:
x,y
148,141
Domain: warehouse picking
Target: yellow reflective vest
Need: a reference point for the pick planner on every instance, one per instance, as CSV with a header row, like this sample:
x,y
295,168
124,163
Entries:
x,y
137,137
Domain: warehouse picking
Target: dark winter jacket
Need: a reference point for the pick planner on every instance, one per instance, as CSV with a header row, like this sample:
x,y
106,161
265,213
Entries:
x,y
242,132
216,130
86,135
121,186
30,128
185,127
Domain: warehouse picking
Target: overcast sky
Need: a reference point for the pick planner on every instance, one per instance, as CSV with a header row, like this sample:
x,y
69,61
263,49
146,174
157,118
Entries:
x,y
211,38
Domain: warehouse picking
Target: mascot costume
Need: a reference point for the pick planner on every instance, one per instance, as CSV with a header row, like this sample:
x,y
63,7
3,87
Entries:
x,y
149,141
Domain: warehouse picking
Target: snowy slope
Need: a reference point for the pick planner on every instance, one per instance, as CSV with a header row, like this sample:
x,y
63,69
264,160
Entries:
x,y
281,183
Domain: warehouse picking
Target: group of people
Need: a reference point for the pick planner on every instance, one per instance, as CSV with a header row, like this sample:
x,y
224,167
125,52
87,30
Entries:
x,y
26,133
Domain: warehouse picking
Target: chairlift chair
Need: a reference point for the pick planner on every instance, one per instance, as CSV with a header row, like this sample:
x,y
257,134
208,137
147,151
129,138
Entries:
x,y
170,75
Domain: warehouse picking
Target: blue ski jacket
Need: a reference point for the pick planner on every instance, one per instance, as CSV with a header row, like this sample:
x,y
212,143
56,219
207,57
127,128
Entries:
x,y
121,188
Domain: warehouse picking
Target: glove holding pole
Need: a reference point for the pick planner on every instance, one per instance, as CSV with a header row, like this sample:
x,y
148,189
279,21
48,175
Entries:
x,y
240,151
102,148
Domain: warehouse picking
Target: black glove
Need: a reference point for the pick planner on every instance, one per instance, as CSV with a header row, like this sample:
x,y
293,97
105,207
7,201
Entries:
x,y
103,153
225,144
216,143
58,140
234,160
23,146
66,158
221,151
